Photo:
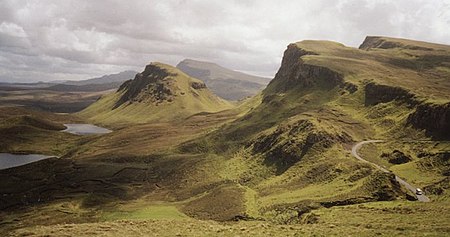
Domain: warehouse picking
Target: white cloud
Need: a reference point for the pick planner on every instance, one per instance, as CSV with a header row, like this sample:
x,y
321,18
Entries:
x,y
80,38
12,29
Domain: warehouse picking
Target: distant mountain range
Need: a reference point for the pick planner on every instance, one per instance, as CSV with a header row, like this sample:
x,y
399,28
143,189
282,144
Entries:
x,y
226,83
102,83
111,78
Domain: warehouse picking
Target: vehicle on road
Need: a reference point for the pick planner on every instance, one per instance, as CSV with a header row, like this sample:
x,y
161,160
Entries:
x,y
419,191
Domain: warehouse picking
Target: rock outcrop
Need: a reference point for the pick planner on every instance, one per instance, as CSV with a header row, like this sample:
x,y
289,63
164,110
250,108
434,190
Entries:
x,y
396,157
372,42
294,72
434,118
290,142
375,93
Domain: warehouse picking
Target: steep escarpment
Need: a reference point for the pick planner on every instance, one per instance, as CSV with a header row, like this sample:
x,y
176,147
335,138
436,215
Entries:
x,y
294,72
433,118
159,93
372,42
376,93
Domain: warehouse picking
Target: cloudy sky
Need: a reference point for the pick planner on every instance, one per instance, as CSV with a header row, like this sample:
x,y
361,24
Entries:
x,y
43,40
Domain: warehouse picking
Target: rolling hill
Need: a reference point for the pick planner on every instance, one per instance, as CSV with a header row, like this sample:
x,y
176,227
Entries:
x,y
159,93
226,83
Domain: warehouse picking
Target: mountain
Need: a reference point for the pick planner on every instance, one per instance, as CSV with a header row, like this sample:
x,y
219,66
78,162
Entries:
x,y
226,83
159,93
326,97
117,78
106,82
103,83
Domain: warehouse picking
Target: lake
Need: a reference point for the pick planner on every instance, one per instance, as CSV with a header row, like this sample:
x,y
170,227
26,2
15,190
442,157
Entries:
x,y
8,160
85,129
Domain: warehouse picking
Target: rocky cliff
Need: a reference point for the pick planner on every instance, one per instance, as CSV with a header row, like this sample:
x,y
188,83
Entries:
x,y
294,72
434,118
375,94
372,42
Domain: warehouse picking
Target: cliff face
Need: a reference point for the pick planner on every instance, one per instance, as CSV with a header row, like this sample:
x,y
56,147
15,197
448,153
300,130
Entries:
x,y
375,93
372,42
294,72
435,119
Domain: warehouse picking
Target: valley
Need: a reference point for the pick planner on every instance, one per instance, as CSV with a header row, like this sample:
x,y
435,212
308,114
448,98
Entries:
x,y
178,160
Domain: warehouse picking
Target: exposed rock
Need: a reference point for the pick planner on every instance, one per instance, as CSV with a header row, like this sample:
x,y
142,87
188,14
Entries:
x,y
352,88
383,186
376,93
198,85
439,161
151,80
295,72
438,188
396,157
434,118
372,42
290,142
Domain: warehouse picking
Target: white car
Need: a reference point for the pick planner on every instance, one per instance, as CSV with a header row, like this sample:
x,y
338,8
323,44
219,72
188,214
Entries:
x,y
419,191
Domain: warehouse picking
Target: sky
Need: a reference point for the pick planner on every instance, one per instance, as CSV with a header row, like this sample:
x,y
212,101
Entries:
x,y
45,40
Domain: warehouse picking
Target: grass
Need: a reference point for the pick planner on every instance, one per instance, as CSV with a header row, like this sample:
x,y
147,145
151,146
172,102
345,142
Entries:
x,y
412,171
393,218
389,67
149,212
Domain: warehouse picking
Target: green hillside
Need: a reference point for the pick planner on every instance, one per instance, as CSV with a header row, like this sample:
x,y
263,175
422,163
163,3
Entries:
x,y
292,150
160,93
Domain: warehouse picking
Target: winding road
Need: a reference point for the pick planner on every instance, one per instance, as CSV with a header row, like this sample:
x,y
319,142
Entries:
x,y
410,187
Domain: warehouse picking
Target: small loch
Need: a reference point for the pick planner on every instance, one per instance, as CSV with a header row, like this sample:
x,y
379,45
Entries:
x,y
85,129
8,160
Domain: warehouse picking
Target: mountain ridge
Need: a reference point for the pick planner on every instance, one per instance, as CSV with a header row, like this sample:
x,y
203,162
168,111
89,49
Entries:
x,y
226,83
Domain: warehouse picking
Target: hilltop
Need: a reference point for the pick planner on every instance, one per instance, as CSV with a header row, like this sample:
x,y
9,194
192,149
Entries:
x,y
226,83
159,93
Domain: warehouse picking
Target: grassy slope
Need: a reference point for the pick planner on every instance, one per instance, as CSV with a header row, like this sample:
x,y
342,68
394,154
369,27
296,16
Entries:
x,y
29,131
386,120
423,72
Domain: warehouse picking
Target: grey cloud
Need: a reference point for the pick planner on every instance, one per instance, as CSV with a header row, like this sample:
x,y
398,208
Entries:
x,y
73,39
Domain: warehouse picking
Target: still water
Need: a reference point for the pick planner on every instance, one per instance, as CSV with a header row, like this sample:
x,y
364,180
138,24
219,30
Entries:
x,y
85,129
8,160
